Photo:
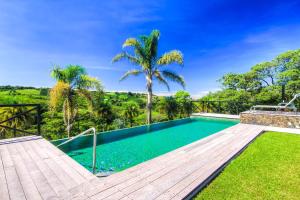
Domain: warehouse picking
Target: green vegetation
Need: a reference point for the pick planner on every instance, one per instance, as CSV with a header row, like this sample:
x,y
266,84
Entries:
x,y
110,111
267,169
262,84
151,65
130,111
23,121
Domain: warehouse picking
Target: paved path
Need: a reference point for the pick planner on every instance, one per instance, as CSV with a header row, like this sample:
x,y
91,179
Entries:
x,y
32,168
217,115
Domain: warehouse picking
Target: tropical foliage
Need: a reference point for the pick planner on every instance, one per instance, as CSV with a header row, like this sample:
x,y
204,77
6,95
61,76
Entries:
x,y
130,111
264,83
184,102
20,122
108,111
150,64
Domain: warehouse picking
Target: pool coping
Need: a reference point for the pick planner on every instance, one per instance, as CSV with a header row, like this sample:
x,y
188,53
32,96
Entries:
x,y
216,115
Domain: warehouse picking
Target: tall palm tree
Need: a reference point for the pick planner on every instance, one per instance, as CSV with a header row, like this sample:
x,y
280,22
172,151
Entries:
x,y
72,82
151,65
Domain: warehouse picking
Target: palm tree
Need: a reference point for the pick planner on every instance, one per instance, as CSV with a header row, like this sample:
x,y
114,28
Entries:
x,y
72,82
151,65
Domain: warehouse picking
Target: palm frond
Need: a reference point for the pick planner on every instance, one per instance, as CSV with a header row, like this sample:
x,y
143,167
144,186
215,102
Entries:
x,y
133,72
87,95
172,76
57,93
154,42
71,74
151,45
88,82
125,55
58,73
171,57
138,48
161,80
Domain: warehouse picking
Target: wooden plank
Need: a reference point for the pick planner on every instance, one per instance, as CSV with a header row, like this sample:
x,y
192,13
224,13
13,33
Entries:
x,y
59,172
13,182
49,175
45,145
4,195
60,162
203,172
38,177
105,194
27,183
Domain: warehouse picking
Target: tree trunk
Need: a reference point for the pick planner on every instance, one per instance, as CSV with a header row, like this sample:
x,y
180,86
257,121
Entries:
x,y
67,115
149,100
68,125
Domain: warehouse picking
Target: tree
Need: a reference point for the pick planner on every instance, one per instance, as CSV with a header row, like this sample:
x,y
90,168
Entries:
x,y
72,83
263,84
266,72
184,102
169,106
102,110
151,65
131,110
230,81
247,81
289,65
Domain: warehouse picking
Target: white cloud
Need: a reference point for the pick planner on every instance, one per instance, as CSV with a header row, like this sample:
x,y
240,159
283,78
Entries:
x,y
105,68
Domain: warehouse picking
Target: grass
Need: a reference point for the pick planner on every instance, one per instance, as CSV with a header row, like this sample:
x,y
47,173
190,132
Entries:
x,y
268,169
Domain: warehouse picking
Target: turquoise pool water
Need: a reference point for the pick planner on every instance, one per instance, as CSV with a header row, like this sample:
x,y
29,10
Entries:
x,y
121,149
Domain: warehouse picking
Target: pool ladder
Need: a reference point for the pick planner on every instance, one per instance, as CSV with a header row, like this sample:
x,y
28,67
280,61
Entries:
x,y
94,144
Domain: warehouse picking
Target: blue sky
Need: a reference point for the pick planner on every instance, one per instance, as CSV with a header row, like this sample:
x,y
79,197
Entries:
x,y
215,37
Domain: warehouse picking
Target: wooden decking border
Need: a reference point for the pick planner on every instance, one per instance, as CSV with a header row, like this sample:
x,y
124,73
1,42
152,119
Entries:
x,y
218,171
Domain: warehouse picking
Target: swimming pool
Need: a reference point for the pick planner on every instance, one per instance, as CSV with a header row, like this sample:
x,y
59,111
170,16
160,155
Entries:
x,y
120,149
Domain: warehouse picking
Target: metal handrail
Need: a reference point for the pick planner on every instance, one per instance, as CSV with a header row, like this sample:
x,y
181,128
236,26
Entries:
x,y
94,144
36,107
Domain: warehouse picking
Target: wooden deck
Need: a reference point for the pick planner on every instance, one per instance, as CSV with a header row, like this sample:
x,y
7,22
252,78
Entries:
x,y
32,168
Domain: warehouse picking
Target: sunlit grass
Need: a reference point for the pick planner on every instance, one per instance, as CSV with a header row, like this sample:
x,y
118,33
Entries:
x,y
268,169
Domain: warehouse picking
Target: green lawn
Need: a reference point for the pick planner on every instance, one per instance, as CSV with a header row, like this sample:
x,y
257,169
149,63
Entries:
x,y
268,169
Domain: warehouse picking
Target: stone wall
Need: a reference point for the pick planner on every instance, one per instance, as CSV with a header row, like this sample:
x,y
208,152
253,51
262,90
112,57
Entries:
x,y
269,118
